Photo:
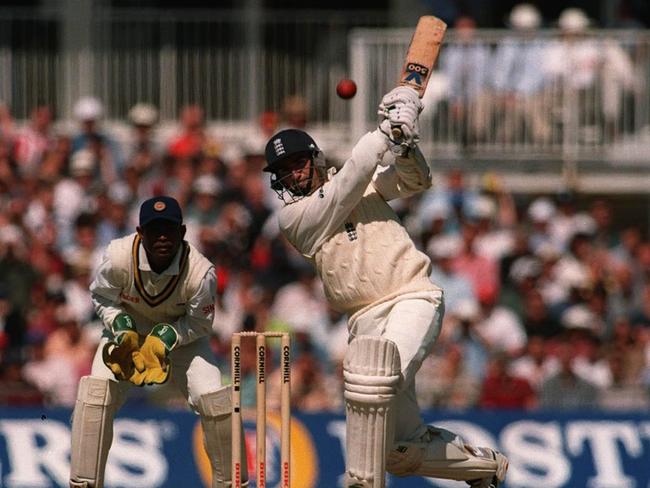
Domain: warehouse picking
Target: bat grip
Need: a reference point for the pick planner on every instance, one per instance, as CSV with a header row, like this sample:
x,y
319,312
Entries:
x,y
396,132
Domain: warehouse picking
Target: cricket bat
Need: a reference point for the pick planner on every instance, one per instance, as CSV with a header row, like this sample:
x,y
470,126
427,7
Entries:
x,y
421,56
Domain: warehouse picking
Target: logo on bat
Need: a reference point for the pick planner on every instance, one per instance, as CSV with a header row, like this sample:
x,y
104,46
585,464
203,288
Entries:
x,y
416,72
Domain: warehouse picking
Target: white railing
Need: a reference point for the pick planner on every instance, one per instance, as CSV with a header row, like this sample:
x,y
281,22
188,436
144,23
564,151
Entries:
x,y
237,64
497,96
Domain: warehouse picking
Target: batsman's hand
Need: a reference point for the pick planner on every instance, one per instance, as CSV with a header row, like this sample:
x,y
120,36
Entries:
x,y
151,363
400,108
118,353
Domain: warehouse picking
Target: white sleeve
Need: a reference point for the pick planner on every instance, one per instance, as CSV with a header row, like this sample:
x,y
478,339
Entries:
x,y
105,293
199,312
408,176
308,222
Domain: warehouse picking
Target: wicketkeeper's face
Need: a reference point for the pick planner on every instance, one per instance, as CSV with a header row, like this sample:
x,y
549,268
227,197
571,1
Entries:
x,y
162,239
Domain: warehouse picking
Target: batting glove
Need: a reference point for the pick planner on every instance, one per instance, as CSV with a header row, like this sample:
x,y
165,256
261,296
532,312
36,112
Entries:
x,y
118,353
400,109
151,363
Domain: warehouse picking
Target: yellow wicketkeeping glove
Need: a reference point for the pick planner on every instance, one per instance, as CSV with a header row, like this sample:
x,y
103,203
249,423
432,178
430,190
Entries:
x,y
118,353
151,363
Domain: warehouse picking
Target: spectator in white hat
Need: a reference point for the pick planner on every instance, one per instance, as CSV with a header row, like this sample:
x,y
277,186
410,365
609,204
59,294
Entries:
x,y
493,240
116,220
203,211
540,215
74,195
442,250
598,71
519,78
143,152
89,112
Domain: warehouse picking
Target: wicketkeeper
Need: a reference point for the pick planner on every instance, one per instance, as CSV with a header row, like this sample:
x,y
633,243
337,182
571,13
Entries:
x,y
339,218
155,294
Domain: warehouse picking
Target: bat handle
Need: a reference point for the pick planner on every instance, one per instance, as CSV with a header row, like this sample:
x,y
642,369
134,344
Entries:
x,y
396,132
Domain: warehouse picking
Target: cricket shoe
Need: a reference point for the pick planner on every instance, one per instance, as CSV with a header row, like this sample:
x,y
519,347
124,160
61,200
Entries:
x,y
500,475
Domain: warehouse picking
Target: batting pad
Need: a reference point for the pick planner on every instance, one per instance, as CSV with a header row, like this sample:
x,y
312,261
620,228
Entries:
x,y
372,373
92,431
440,453
215,409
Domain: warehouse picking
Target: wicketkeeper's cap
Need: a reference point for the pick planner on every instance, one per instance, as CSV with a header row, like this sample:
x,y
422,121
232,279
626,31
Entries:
x,y
285,144
160,208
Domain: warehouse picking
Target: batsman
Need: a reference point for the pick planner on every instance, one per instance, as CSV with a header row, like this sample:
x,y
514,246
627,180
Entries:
x,y
155,294
340,219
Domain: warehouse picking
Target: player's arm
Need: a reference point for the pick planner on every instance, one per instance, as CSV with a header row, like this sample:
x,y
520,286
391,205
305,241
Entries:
x,y
105,292
410,174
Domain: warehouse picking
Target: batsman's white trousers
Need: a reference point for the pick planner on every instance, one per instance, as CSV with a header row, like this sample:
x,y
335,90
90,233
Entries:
x,y
412,321
194,371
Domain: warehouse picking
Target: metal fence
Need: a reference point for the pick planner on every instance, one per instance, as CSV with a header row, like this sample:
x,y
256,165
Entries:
x,y
235,63
542,96
238,63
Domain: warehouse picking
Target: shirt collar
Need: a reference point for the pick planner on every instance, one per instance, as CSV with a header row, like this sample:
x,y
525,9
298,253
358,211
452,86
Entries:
x,y
172,270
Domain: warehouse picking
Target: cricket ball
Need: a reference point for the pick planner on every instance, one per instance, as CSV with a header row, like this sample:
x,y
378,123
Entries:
x,y
346,88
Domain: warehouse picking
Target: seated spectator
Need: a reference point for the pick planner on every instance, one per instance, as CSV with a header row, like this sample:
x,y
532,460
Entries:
x,y
143,153
565,390
482,271
15,390
89,112
535,365
192,139
466,65
501,389
537,319
519,79
500,327
626,392
34,140
442,251
446,383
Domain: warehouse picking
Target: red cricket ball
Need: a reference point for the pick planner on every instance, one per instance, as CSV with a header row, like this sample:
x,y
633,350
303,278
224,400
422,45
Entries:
x,y
346,88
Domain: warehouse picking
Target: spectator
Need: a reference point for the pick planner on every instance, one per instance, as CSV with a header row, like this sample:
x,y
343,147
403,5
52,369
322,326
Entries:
x,y
294,113
457,288
116,221
193,138
566,390
203,212
466,65
15,390
500,327
481,271
501,389
75,195
519,79
89,111
34,140
143,153
578,62
535,365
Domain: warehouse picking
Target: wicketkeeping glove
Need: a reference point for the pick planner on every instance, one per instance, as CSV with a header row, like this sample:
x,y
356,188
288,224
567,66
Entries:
x,y
118,353
400,108
151,363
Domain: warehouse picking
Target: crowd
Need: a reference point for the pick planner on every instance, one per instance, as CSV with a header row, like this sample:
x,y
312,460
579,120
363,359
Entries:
x,y
547,297
532,87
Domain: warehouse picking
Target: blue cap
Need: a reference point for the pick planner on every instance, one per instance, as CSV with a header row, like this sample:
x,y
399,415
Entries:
x,y
164,207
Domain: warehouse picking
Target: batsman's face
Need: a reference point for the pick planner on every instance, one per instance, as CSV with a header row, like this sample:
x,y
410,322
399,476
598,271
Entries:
x,y
298,175
161,239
